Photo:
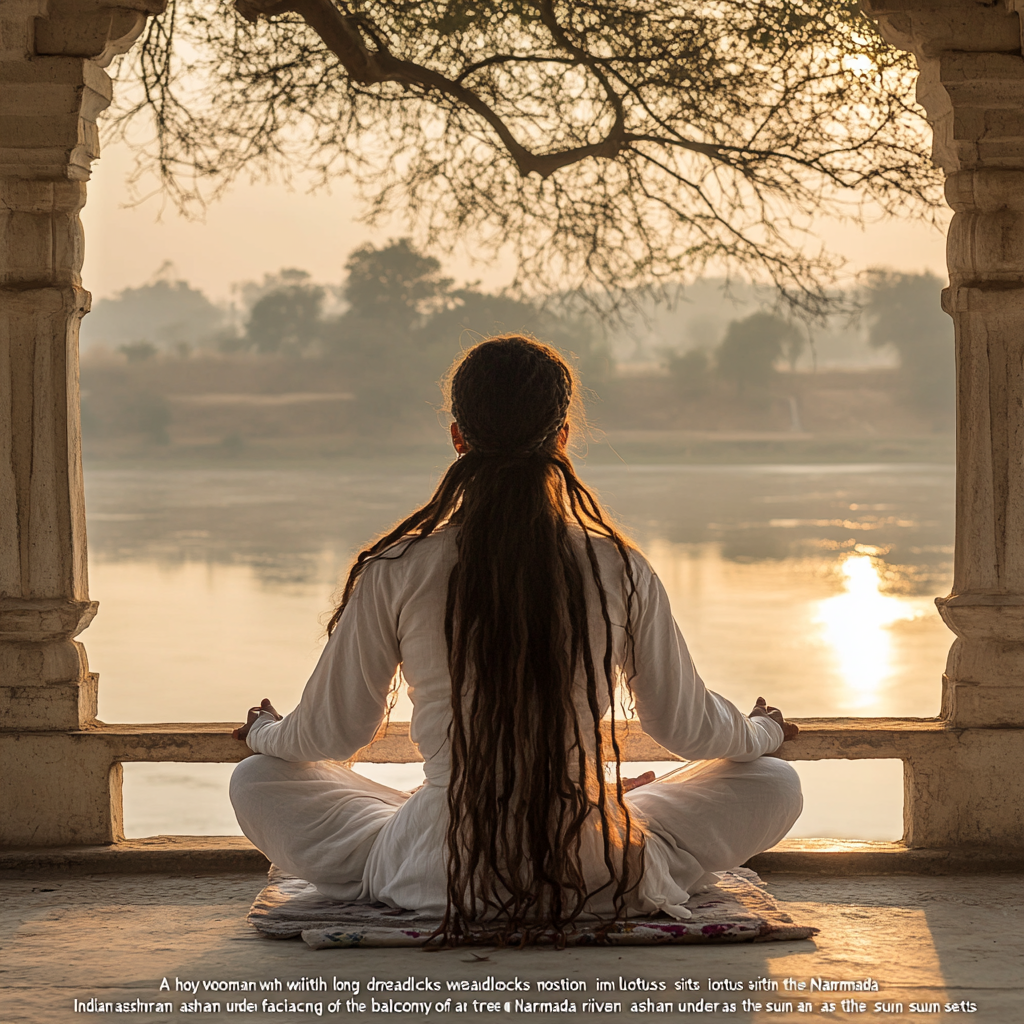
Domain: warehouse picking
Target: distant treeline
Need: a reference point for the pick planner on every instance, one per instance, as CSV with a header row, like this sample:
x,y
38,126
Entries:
x,y
381,340
902,313
400,325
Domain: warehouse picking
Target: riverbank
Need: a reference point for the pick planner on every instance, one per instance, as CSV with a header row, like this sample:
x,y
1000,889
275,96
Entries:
x,y
270,412
614,447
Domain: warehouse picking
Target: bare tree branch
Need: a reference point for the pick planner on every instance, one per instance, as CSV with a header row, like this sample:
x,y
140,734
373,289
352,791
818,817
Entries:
x,y
341,34
610,143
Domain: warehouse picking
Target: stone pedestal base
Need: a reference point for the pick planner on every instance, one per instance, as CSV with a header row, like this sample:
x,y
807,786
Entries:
x,y
45,682
972,796
59,790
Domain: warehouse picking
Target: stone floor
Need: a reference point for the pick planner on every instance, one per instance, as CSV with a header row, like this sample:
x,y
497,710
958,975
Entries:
x,y
955,941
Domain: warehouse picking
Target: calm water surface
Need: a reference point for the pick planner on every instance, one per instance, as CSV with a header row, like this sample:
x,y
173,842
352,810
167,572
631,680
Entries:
x,y
810,585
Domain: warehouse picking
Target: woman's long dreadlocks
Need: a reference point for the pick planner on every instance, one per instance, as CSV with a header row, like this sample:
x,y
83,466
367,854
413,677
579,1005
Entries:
x,y
527,787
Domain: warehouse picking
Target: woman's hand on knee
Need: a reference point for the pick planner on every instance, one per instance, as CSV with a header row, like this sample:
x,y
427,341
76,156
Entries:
x,y
762,709
254,713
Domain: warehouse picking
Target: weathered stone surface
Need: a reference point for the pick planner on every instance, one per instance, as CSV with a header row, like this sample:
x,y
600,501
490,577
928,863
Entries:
x,y
921,939
981,685
44,619
46,706
56,137
58,790
17,27
178,855
181,855
42,664
968,797
91,28
41,261
52,88
43,576
840,858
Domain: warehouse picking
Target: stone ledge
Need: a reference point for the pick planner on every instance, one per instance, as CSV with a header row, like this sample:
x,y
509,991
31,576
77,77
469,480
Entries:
x,y
183,855
820,738
841,857
158,854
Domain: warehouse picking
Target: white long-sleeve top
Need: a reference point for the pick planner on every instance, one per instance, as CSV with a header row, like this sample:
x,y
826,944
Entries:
x,y
395,618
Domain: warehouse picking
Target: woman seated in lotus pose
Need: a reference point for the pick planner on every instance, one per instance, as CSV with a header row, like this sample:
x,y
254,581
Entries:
x,y
516,611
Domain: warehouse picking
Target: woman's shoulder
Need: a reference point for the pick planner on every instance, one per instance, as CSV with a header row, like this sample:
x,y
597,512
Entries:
x,y
419,556
612,557
409,552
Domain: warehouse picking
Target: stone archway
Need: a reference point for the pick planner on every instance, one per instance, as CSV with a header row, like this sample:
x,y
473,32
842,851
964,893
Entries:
x,y
61,768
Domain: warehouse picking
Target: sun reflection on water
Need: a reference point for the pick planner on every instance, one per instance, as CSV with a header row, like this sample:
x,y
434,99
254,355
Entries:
x,y
856,625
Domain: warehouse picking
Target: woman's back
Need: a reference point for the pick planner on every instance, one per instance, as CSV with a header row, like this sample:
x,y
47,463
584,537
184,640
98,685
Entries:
x,y
517,611
417,586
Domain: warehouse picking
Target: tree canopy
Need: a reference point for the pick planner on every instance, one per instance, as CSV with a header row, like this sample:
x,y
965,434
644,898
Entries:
x,y
404,324
903,313
751,347
394,283
163,312
286,319
606,143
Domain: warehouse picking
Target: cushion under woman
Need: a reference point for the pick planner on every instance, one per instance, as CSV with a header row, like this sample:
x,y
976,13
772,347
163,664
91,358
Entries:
x,y
519,616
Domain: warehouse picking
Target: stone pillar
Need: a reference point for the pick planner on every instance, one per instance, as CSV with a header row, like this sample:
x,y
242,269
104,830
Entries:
x,y
972,87
52,87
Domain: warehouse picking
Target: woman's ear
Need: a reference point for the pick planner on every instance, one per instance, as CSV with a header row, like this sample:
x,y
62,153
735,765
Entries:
x,y
457,442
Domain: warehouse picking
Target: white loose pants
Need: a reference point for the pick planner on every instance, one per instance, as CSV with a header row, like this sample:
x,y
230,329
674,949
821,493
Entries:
x,y
357,839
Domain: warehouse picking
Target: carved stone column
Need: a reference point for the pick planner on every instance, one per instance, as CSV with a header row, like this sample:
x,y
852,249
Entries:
x,y
52,87
972,87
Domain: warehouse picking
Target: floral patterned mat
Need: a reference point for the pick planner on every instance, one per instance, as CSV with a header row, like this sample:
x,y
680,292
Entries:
x,y
737,909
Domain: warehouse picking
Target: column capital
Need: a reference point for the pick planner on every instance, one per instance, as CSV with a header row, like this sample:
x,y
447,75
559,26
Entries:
x,y
97,30
52,83
971,81
927,28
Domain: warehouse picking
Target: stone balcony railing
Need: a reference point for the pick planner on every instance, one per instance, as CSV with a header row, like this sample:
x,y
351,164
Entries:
x,y
905,739
94,757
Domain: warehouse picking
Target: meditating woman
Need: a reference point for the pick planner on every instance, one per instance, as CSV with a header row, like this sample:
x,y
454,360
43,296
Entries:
x,y
519,616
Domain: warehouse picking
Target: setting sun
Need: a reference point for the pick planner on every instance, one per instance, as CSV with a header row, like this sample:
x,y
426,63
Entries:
x,y
856,625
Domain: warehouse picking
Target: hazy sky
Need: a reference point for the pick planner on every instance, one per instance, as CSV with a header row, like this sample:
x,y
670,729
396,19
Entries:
x,y
258,229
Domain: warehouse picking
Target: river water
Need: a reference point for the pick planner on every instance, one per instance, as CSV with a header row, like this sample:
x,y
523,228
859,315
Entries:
x,y
810,585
